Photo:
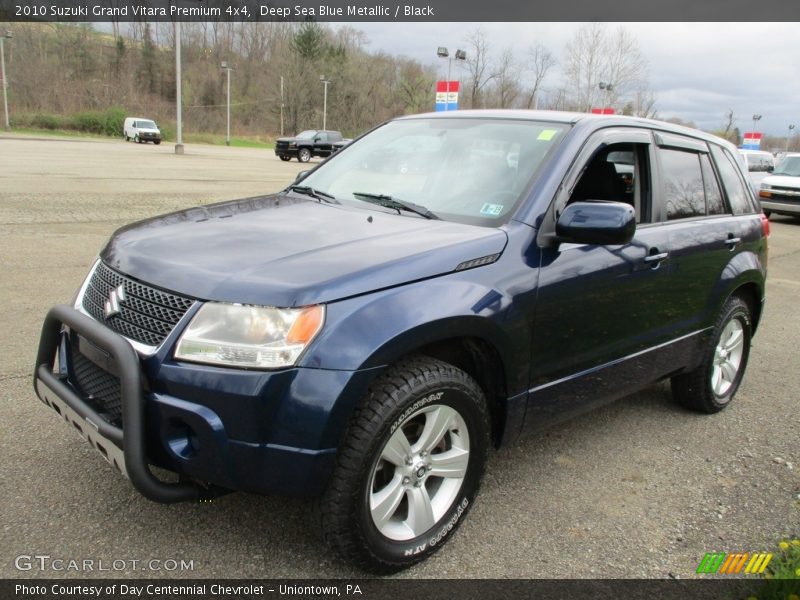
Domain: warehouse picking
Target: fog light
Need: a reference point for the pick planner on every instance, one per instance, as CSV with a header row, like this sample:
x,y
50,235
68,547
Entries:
x,y
181,439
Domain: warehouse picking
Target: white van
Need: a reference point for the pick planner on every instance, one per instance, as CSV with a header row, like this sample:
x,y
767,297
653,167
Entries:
x,y
141,130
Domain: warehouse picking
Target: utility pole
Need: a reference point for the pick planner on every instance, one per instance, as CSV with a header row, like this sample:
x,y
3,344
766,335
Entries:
x,y
281,105
8,35
325,83
228,68
178,96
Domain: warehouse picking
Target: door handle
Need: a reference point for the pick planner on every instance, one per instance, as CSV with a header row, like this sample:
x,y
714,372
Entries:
x,y
656,258
731,242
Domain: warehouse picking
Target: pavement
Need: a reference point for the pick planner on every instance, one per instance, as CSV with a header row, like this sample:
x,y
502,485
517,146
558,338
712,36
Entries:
x,y
640,488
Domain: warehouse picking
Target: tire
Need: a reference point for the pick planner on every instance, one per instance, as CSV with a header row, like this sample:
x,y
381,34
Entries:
x,y
136,139
157,142
304,155
127,139
286,158
711,386
373,471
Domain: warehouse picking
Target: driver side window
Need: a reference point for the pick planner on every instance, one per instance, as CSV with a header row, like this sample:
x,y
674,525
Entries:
x,y
618,173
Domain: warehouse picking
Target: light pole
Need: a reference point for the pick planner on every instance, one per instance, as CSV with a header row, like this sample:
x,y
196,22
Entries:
x,y
443,52
325,83
8,35
226,67
756,118
789,136
606,88
281,105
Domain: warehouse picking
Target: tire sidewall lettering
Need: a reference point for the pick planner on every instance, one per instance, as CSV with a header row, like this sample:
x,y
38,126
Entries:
x,y
418,405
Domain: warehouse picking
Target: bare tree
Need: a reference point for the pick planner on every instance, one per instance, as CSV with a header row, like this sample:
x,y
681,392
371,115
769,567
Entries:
x,y
507,76
730,123
595,55
540,61
480,70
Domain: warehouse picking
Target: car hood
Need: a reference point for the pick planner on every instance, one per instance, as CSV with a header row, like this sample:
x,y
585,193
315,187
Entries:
x,y
782,181
287,139
148,130
283,251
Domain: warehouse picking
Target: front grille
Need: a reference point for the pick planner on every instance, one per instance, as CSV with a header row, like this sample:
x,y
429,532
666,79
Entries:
x,y
282,146
100,388
146,314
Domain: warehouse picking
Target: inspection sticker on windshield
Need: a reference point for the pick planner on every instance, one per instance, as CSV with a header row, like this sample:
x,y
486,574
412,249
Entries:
x,y
547,134
492,210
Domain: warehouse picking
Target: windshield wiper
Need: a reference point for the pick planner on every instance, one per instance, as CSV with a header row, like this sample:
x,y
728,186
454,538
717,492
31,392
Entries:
x,y
395,203
316,194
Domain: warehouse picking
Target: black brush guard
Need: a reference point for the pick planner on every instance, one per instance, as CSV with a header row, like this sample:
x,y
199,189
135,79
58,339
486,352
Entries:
x,y
132,440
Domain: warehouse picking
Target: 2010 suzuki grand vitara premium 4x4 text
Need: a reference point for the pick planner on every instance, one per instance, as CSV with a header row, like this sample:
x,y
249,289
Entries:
x,y
437,287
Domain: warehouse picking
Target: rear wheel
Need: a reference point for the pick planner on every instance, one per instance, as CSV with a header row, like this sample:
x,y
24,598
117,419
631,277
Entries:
x,y
712,385
409,468
304,155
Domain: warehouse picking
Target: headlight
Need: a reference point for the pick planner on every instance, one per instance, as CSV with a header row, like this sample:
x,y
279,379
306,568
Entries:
x,y
256,337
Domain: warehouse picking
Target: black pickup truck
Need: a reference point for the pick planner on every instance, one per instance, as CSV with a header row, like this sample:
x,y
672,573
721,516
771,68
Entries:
x,y
306,144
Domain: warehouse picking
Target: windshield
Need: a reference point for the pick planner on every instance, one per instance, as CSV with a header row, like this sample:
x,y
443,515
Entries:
x,y
789,166
306,135
146,125
467,170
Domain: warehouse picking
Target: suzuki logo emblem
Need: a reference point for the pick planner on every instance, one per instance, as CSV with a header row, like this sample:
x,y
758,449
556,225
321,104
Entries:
x,y
116,296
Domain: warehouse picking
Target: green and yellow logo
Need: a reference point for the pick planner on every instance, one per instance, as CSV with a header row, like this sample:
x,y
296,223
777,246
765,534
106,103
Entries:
x,y
722,563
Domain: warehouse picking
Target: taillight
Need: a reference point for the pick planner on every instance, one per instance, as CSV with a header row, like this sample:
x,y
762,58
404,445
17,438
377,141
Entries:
x,y
764,224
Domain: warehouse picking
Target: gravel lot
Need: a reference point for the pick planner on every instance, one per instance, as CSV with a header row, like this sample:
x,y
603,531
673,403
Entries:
x,y
641,488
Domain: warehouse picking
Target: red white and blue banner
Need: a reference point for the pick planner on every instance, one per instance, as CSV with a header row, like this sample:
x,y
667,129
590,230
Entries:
x,y
752,140
446,95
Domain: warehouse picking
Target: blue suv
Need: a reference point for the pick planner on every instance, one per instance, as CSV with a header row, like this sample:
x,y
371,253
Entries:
x,y
436,288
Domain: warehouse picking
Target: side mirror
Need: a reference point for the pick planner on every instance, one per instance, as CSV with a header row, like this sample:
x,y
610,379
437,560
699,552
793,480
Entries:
x,y
301,175
597,222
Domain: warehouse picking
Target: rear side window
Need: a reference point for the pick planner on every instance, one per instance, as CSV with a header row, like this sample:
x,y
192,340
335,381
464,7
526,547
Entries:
x,y
715,204
684,192
735,190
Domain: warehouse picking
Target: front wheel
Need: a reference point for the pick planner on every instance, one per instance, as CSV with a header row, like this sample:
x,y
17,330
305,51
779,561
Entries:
x,y
157,142
136,139
409,468
712,385
304,155
285,158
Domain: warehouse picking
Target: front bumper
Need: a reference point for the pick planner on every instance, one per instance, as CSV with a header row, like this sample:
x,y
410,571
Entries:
x,y
286,151
780,200
218,428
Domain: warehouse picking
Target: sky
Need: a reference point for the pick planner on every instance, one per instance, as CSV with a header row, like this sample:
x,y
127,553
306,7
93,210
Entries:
x,y
698,71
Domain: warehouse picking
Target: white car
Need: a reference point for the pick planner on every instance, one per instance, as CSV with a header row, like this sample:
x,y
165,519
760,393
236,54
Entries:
x,y
759,165
780,191
141,130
